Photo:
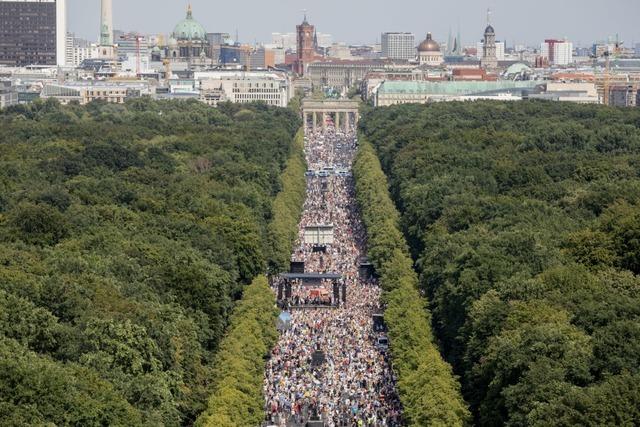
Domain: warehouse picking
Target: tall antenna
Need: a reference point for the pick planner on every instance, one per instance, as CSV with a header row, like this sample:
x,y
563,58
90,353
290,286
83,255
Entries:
x,y
106,23
488,16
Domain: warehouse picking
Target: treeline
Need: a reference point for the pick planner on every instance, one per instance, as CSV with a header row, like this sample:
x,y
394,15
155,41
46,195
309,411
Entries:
x,y
524,219
287,208
127,233
429,392
237,396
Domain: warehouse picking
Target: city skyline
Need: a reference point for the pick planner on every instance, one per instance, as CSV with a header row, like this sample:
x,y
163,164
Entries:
x,y
572,19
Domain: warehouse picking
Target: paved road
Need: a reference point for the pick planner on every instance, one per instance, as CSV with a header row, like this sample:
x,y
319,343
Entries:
x,y
355,385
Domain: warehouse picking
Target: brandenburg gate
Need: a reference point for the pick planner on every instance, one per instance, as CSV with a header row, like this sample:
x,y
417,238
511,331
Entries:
x,y
341,111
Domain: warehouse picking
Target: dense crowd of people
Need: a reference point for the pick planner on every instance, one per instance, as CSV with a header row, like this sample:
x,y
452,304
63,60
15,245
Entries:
x,y
353,384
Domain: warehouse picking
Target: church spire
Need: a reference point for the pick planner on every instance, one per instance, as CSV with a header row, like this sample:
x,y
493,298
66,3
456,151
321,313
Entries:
x,y
189,11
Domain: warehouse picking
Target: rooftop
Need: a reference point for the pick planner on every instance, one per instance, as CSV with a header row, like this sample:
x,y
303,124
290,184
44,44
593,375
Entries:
x,y
453,87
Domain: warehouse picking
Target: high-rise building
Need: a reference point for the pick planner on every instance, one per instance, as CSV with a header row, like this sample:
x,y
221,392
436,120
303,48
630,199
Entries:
x,y
261,57
489,52
399,46
68,48
133,45
637,49
306,48
77,50
134,51
33,32
558,52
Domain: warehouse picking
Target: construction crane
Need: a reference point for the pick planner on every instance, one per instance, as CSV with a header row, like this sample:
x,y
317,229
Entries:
x,y
617,50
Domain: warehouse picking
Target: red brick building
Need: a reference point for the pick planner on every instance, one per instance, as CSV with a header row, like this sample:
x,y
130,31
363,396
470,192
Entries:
x,y
306,48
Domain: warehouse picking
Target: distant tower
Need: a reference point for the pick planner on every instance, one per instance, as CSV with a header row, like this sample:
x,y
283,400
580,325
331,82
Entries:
x,y
305,46
106,24
489,55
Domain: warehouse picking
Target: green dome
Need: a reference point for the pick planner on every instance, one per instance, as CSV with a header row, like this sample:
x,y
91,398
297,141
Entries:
x,y
189,28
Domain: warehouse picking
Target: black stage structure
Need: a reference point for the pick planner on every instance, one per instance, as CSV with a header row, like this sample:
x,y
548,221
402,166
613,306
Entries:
x,y
285,294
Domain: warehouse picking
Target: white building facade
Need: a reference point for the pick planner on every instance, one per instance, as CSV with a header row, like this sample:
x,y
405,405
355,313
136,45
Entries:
x,y
85,92
399,46
272,88
77,50
61,31
557,52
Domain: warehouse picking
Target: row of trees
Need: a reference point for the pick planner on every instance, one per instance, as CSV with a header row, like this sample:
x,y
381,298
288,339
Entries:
x,y
523,219
287,208
127,233
429,392
237,397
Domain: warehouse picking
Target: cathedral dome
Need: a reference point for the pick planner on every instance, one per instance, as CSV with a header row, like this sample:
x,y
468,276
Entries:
x,y
489,30
189,28
429,45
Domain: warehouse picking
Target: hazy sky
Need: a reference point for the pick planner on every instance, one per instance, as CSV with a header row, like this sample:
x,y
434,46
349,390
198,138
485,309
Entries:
x,y
362,21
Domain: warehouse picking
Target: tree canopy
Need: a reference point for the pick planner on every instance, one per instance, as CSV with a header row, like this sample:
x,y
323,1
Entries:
x,y
127,233
237,394
429,392
524,222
